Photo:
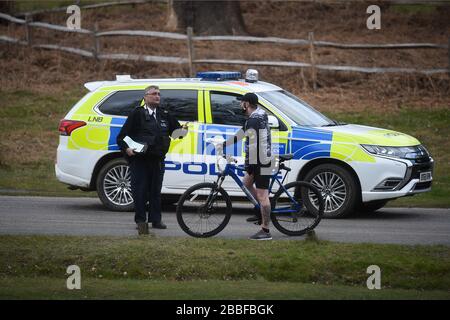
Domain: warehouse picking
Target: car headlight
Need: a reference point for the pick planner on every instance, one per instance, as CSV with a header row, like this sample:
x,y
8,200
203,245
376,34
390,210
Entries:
x,y
221,164
414,152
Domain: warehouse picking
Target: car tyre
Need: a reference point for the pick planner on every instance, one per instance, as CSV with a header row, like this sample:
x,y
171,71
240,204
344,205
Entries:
x,y
114,185
339,189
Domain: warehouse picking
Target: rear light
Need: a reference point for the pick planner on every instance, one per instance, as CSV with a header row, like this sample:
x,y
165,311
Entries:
x,y
67,126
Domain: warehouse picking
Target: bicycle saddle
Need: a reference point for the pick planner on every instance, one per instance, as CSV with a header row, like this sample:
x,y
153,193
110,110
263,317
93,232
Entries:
x,y
284,157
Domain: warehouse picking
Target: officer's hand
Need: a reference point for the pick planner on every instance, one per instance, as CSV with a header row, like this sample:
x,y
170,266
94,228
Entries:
x,y
182,132
130,152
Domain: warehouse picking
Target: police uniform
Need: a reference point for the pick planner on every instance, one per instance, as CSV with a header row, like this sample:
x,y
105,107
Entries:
x,y
147,169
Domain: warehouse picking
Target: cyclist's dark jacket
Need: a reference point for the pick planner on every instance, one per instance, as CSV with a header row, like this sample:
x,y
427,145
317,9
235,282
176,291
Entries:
x,y
261,144
141,127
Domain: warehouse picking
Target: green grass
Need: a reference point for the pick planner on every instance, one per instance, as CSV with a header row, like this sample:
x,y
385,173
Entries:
x,y
179,260
91,288
29,138
413,8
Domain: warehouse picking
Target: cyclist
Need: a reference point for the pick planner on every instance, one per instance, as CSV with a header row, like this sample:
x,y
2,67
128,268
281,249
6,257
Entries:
x,y
257,158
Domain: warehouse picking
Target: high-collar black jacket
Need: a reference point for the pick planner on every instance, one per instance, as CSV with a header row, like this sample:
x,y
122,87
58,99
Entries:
x,y
143,128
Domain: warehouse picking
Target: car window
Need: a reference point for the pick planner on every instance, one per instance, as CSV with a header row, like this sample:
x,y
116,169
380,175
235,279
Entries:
x,y
181,103
226,109
122,102
296,109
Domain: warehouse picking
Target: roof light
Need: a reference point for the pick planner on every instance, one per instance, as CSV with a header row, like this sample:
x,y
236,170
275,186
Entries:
x,y
219,75
123,77
251,75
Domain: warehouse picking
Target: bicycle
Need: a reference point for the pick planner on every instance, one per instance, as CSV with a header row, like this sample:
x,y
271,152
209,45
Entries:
x,y
209,206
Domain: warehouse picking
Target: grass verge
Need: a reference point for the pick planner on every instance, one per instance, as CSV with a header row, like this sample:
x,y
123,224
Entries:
x,y
52,288
218,268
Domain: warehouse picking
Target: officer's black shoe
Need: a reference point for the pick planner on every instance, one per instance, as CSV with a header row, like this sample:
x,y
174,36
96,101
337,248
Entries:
x,y
142,228
159,225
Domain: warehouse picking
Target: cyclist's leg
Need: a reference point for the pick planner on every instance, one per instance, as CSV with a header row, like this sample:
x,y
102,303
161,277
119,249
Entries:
x,y
248,181
262,195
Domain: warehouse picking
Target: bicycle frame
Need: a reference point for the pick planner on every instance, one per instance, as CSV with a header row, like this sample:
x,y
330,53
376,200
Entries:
x,y
230,171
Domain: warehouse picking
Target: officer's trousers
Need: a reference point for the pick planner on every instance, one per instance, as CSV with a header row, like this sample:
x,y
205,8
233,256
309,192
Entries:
x,y
146,183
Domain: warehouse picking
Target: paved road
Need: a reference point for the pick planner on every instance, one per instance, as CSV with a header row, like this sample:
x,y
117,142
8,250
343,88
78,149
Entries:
x,y
87,216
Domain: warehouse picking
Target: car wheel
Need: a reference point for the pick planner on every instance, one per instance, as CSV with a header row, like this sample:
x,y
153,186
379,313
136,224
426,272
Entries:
x,y
372,206
338,187
114,185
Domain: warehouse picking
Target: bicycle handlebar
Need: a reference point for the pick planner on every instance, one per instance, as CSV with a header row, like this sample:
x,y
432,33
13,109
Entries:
x,y
231,159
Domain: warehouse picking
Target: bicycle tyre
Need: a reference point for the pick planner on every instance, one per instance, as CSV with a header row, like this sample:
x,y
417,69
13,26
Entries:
x,y
308,213
185,202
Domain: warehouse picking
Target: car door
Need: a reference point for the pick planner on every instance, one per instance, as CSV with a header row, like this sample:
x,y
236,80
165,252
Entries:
x,y
184,164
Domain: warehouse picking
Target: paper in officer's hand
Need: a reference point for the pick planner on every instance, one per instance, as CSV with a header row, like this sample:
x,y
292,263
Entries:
x,y
136,146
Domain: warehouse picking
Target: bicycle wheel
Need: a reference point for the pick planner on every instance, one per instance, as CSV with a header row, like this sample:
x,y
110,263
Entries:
x,y
292,211
204,210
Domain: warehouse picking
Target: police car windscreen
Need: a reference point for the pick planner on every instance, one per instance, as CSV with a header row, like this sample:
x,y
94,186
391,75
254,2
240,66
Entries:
x,y
297,110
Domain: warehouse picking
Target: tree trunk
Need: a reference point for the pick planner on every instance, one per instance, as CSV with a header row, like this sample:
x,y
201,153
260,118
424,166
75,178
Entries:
x,y
7,6
206,17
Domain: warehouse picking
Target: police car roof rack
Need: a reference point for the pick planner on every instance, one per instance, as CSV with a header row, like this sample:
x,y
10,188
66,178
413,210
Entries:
x,y
219,75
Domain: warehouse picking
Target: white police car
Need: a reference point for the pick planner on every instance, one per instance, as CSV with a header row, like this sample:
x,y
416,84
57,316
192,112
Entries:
x,y
357,167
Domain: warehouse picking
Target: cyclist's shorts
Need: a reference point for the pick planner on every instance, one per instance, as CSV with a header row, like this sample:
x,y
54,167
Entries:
x,y
261,181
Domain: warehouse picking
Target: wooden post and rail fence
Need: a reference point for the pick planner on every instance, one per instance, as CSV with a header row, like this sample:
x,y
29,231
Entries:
x,y
192,60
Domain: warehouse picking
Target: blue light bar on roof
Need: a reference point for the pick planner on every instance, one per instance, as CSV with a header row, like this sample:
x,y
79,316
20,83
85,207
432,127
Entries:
x,y
219,75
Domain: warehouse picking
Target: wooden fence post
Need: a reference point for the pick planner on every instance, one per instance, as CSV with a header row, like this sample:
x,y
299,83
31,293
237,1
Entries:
x,y
313,60
28,30
96,47
190,44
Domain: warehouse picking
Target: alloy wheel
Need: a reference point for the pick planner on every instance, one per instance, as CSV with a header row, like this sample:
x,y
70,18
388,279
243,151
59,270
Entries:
x,y
117,185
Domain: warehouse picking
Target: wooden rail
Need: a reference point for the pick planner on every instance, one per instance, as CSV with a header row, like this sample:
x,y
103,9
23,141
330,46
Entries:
x,y
191,39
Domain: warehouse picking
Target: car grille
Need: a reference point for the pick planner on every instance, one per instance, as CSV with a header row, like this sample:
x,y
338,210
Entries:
x,y
413,172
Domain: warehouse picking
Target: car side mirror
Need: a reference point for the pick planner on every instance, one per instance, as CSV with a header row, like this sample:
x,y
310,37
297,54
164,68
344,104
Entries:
x,y
273,122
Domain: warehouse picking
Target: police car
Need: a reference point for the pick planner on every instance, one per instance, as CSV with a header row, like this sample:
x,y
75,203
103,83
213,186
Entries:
x,y
356,167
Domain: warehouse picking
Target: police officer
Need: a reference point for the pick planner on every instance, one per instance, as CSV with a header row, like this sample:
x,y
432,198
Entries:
x,y
153,126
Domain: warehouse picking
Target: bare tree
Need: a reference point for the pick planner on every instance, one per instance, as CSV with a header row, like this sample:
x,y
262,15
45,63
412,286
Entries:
x,y
6,6
206,17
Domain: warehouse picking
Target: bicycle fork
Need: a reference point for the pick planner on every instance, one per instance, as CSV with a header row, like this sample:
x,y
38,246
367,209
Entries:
x,y
213,194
